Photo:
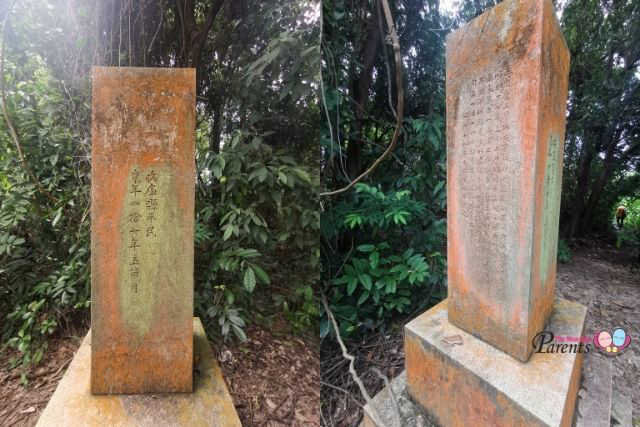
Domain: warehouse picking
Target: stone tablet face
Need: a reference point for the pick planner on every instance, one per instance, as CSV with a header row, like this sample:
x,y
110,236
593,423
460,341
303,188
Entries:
x,y
142,214
507,76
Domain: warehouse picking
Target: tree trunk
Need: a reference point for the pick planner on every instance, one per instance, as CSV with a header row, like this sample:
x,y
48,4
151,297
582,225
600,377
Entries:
x,y
216,131
360,93
588,152
596,191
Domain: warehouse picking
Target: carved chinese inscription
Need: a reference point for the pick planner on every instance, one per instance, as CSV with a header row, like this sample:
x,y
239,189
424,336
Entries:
x,y
489,167
142,230
143,207
506,89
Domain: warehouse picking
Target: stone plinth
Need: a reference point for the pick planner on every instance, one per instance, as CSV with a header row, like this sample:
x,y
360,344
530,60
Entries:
x,y
507,73
142,213
461,380
383,406
210,404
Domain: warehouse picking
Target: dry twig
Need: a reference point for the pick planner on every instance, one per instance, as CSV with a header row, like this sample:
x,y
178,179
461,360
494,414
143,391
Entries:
x,y
351,359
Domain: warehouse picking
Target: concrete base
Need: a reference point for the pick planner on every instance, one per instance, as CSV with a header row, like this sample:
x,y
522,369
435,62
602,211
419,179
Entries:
x,y
462,381
621,410
383,408
210,404
593,408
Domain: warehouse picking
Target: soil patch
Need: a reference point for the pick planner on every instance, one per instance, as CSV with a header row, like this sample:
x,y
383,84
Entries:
x,y
273,378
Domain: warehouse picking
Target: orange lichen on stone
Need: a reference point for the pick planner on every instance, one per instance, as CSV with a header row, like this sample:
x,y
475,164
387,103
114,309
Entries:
x,y
474,383
142,189
507,76
210,404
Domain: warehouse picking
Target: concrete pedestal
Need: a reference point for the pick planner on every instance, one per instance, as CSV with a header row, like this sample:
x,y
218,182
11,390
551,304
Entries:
x,y
455,379
210,404
460,380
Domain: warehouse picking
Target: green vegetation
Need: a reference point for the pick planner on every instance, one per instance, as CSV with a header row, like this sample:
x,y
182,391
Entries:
x,y
256,213
383,242
564,251
629,236
602,146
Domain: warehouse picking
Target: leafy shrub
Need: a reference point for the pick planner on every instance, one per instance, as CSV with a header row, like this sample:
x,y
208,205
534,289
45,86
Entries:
x,y
564,251
385,282
261,206
381,279
629,235
44,227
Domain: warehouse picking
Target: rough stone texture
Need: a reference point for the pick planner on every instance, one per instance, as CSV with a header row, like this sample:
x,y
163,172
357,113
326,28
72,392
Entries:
x,y
461,380
507,76
411,415
210,404
621,410
593,408
142,214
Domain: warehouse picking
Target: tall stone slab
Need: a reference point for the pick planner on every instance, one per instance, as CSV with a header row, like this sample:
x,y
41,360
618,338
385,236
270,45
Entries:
x,y
507,75
468,359
142,214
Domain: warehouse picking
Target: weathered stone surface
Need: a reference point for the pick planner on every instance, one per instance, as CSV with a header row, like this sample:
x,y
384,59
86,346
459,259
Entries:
x,y
461,380
142,214
593,408
383,406
621,410
210,404
507,74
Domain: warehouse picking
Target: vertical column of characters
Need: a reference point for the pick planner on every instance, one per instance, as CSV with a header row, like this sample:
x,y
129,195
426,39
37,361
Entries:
x,y
151,202
134,223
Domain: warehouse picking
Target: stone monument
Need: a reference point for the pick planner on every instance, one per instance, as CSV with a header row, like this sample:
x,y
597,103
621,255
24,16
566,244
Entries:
x,y
469,359
142,216
144,338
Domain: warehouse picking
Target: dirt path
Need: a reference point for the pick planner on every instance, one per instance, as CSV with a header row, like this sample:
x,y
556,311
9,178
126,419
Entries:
x,y
273,380
598,276
610,288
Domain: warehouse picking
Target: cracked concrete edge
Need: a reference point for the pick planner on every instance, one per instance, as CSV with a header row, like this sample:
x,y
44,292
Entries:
x,y
593,408
411,414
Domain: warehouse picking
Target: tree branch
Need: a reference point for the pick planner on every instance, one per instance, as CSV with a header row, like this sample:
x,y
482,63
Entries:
x,y
399,105
351,359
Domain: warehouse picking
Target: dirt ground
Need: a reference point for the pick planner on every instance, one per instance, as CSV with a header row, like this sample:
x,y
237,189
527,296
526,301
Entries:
x,y
273,379
601,277
607,281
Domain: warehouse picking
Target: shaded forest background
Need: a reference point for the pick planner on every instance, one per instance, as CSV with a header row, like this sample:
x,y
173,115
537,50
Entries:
x,y
384,243
257,220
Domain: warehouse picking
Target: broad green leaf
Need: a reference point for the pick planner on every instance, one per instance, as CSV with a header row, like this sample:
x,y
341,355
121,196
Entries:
x,y
363,297
351,286
249,279
365,279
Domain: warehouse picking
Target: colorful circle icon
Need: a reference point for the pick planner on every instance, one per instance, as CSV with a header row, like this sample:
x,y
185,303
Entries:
x,y
612,343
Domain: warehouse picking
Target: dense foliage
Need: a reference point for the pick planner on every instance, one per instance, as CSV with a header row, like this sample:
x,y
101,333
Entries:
x,y
397,214
602,146
256,207
628,237
383,243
